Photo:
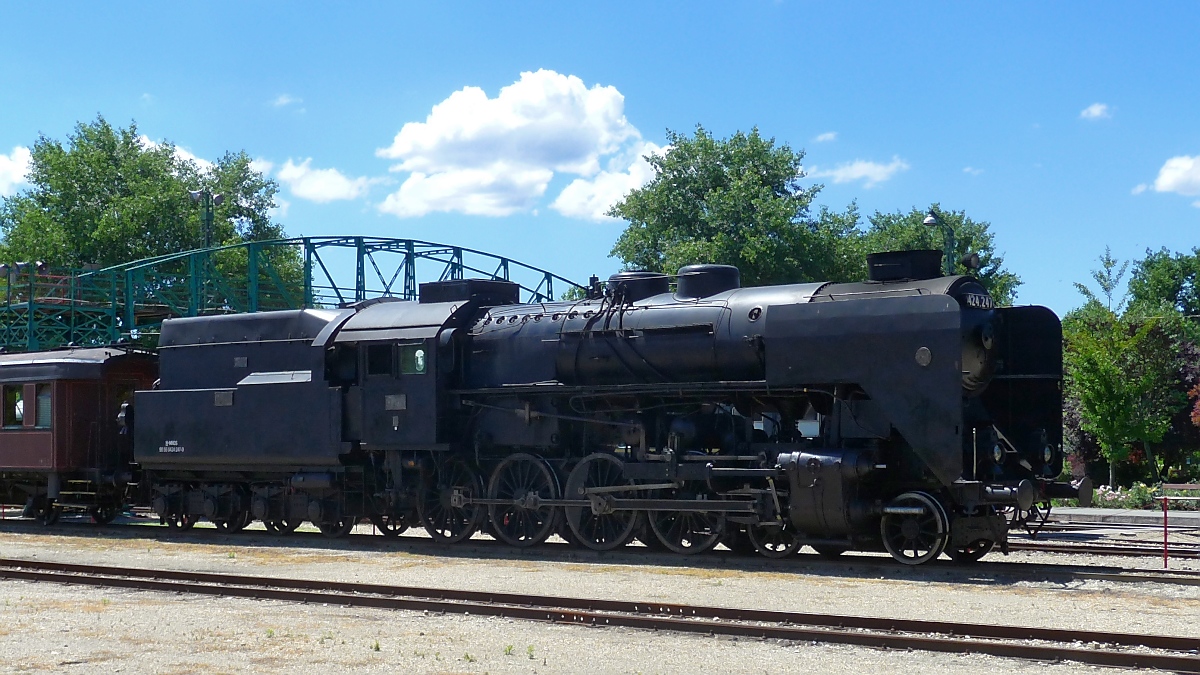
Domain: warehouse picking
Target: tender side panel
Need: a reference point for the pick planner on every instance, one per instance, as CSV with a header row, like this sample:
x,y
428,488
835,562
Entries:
x,y
254,425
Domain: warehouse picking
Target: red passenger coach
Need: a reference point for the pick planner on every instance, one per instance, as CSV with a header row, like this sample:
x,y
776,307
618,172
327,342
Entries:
x,y
61,444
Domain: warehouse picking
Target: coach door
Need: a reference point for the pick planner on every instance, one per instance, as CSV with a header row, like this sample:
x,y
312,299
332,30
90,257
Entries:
x,y
399,397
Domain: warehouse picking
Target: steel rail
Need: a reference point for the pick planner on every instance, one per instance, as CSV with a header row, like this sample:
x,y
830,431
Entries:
x,y
937,636
1128,550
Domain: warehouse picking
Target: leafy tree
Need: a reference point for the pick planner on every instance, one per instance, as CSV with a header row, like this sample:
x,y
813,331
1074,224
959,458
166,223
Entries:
x,y
107,197
906,231
739,201
1124,370
1163,277
736,201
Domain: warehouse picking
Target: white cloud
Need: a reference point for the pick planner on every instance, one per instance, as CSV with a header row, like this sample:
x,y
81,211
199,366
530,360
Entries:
x,y
972,171
147,98
320,185
1196,204
285,100
1095,111
871,173
1180,175
180,153
13,168
262,166
1139,189
826,137
590,198
496,156
497,190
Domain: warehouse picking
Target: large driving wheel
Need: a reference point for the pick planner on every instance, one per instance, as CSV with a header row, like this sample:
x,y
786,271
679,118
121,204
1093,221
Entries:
x,y
445,518
687,532
600,529
774,540
525,482
915,528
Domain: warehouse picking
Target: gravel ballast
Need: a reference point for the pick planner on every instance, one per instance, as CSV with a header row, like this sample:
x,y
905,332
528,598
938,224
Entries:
x,y
47,626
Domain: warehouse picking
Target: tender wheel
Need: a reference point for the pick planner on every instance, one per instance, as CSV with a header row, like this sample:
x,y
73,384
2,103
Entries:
x,y
282,526
338,528
389,524
526,482
104,514
973,552
687,532
236,523
443,520
915,528
608,529
180,521
774,540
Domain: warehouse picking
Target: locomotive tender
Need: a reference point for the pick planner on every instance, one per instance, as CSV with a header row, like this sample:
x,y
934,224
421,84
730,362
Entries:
x,y
904,413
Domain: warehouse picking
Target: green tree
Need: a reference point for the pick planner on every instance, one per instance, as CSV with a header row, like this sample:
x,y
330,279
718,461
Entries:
x,y
107,197
739,201
1173,278
1122,369
735,201
906,231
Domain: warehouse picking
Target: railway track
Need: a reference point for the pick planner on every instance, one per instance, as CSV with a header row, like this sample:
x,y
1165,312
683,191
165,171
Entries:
x,y
551,551
1128,650
1116,549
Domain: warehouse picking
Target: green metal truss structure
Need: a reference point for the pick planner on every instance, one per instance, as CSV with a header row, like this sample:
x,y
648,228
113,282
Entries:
x,y
46,308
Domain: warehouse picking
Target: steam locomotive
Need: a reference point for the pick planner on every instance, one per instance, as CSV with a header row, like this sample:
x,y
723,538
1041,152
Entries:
x,y
905,413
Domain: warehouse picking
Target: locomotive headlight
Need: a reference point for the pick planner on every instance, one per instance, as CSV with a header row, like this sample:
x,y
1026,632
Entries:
x,y
998,454
1047,454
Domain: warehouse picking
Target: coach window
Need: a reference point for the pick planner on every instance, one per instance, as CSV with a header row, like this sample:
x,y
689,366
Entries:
x,y
42,421
412,359
379,359
14,407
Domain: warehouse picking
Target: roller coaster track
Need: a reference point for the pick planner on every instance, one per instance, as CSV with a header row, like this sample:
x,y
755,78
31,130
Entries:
x,y
42,308
1129,650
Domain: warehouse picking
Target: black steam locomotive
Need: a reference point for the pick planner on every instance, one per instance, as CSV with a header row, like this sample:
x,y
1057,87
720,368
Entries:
x,y
904,413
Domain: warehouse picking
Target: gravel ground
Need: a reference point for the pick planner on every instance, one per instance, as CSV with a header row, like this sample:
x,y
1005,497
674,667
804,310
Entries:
x,y
49,627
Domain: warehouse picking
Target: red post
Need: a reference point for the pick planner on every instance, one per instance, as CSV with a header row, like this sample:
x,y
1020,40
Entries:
x,y
1164,501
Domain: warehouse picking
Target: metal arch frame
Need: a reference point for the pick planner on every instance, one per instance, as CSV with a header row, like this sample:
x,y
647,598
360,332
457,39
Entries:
x,y
129,301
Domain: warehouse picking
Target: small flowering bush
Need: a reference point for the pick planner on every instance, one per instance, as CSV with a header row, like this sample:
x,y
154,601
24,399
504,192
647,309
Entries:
x,y
1140,496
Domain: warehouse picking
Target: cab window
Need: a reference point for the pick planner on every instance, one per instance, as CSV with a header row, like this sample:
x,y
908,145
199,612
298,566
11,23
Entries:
x,y
379,359
413,360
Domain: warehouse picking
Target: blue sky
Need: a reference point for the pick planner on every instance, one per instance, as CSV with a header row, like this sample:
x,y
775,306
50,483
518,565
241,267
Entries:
x,y
1068,126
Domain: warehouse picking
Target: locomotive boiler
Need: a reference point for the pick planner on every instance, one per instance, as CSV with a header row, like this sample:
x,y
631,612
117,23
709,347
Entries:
x,y
904,413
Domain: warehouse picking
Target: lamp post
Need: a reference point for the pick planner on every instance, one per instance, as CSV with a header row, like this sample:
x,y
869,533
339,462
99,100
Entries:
x,y
948,244
207,202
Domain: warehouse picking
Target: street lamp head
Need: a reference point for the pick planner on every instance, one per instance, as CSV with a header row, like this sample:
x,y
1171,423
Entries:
x,y
195,195
218,200
930,218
